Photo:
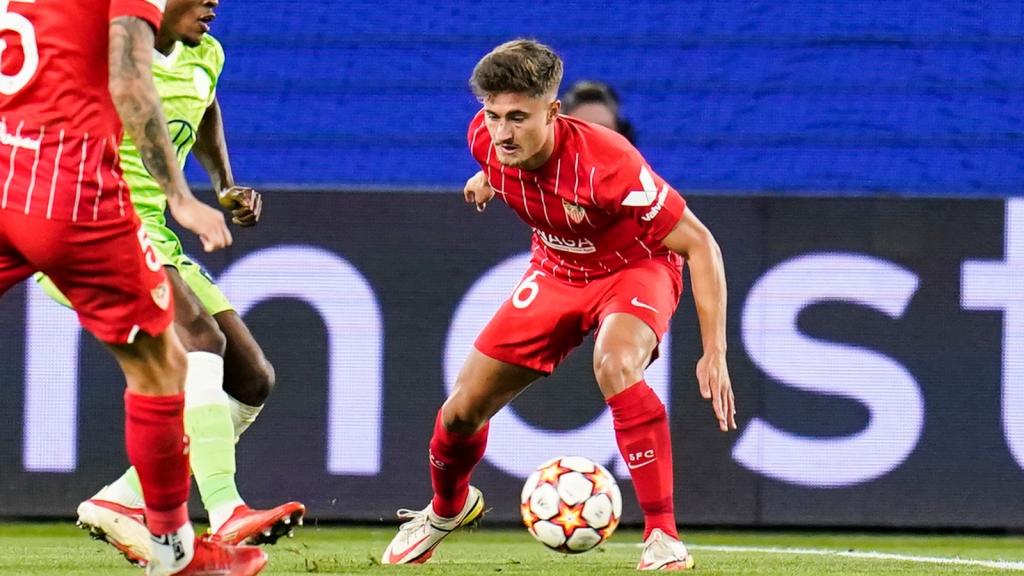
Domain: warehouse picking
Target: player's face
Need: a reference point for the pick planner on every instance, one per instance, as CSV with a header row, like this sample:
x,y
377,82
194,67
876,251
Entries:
x,y
595,113
521,128
188,21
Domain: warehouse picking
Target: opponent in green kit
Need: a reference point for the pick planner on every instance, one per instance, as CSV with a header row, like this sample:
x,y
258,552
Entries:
x,y
228,376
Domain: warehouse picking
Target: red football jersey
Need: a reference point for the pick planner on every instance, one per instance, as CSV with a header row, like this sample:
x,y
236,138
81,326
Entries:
x,y
595,205
59,130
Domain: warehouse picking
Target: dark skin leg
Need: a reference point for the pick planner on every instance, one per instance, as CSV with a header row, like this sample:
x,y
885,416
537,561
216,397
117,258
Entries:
x,y
248,376
196,329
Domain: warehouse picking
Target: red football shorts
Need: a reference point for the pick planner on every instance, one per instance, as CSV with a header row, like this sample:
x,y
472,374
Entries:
x,y
545,318
107,269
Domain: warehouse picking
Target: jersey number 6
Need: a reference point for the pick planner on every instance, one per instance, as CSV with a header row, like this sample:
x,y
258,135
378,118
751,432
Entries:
x,y
11,84
527,290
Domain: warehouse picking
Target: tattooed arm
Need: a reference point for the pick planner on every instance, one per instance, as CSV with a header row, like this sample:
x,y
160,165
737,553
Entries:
x,y
138,104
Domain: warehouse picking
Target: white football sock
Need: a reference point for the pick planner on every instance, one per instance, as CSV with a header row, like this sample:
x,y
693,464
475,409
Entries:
x,y
122,491
242,415
204,380
209,425
220,514
169,553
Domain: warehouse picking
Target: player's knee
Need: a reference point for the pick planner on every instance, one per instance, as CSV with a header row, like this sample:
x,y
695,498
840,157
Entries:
x,y
250,381
153,365
167,356
199,333
617,370
461,418
464,425
263,381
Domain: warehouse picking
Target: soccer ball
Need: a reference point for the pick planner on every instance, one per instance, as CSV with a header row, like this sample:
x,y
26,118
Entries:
x,y
571,504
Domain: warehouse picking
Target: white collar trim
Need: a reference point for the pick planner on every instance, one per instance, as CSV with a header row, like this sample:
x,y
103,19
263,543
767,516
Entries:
x,y
169,59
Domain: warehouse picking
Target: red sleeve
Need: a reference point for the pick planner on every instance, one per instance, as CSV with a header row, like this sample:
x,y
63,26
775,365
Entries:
x,y
478,138
645,197
151,11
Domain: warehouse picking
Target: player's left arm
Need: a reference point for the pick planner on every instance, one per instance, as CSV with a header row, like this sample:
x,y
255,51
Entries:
x,y
211,149
692,240
662,212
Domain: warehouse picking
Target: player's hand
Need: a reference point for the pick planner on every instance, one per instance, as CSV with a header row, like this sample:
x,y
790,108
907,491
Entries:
x,y
244,203
478,191
713,377
203,221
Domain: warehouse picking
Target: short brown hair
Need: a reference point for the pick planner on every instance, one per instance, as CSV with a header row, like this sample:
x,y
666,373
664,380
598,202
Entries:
x,y
519,66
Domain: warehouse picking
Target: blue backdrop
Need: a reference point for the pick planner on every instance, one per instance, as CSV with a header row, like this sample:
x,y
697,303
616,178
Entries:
x,y
906,97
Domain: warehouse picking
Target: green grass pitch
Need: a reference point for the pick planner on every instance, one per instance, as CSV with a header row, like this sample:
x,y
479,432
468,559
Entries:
x,y
31,549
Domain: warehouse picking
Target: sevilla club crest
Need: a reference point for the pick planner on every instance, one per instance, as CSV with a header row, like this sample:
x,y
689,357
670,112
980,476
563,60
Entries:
x,y
574,212
161,295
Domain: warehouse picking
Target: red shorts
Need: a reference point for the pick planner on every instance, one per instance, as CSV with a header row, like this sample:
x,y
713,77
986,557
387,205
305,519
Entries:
x,y
107,269
545,318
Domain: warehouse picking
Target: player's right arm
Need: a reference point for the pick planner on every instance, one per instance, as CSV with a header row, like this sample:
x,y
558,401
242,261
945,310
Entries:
x,y
138,104
478,191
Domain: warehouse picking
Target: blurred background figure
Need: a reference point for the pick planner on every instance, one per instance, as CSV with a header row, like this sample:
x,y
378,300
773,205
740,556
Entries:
x,y
597,103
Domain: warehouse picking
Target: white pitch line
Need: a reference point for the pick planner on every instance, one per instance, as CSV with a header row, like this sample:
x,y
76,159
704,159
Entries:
x,y
997,564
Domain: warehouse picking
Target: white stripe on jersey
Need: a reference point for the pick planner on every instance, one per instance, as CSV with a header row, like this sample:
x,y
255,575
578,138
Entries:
x,y
56,172
472,143
558,177
592,198
120,197
120,181
522,184
488,165
35,164
99,180
576,186
543,204
622,257
649,253
586,277
81,170
576,190
10,172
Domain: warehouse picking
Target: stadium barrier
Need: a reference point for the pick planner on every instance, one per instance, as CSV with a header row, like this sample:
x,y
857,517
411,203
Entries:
x,y
876,349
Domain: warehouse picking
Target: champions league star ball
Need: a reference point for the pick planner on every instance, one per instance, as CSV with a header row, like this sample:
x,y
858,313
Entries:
x,y
571,504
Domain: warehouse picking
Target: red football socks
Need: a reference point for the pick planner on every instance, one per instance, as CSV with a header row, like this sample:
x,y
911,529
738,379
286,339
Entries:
x,y
157,447
452,459
642,432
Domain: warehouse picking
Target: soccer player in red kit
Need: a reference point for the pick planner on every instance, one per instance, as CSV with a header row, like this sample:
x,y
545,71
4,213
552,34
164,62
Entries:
x,y
71,74
610,238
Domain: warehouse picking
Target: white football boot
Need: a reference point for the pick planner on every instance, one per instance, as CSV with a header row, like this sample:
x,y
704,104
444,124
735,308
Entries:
x,y
123,527
663,552
417,538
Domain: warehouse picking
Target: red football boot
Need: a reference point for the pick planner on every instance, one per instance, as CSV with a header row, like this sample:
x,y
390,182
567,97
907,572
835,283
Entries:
x,y
218,559
249,526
